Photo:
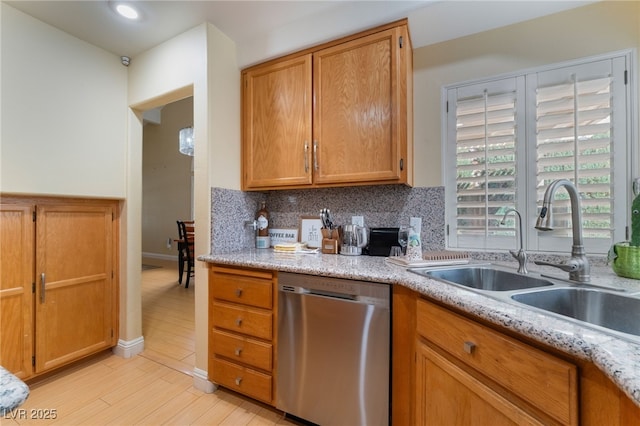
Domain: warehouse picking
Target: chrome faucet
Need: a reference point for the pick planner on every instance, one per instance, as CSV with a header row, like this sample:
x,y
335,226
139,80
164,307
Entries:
x,y
520,255
578,264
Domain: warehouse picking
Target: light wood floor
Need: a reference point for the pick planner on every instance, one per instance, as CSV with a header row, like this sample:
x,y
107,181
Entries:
x,y
153,388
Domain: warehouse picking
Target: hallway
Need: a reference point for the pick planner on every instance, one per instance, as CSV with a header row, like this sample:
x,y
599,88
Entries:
x,y
168,324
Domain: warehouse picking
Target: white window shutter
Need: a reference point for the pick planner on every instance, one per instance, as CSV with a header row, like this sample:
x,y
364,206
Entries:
x,y
484,183
508,138
576,119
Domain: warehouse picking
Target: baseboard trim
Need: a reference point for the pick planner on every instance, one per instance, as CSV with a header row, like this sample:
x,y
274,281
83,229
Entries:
x,y
201,381
160,256
129,348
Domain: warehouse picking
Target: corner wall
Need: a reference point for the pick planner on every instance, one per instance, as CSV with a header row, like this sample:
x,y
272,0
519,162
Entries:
x,y
63,112
200,62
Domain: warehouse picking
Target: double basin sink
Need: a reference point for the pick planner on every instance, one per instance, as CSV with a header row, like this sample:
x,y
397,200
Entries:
x,y
616,313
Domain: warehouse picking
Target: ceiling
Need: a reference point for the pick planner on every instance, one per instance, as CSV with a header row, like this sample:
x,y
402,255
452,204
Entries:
x,y
266,29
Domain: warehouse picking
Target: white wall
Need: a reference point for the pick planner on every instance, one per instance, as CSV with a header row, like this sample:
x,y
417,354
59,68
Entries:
x,y
224,112
581,32
63,116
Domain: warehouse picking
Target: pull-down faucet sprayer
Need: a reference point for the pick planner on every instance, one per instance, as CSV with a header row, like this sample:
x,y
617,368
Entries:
x,y
520,255
578,264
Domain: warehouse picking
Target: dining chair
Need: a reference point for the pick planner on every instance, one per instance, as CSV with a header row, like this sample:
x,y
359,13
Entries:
x,y
186,250
181,259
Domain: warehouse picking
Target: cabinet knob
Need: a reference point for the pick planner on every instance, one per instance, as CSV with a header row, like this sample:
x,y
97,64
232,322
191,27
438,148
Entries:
x,y
238,292
239,322
238,351
238,381
469,347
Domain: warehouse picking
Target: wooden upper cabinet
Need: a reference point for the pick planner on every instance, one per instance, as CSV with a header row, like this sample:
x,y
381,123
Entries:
x,y
356,111
339,114
277,124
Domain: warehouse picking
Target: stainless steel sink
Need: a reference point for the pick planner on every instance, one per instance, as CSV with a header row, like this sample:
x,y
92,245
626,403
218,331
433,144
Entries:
x,y
612,311
484,278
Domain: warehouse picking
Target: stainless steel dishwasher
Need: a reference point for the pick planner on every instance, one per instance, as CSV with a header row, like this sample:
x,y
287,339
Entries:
x,y
333,350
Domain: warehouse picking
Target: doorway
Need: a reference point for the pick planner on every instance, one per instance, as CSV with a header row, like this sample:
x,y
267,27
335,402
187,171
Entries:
x,y
167,179
168,318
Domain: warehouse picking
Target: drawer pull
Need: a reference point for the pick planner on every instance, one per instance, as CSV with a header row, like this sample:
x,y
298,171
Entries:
x,y
238,292
238,381
239,322
469,347
238,351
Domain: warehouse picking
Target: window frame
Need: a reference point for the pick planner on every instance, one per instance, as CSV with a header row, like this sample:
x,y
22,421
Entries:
x,y
526,203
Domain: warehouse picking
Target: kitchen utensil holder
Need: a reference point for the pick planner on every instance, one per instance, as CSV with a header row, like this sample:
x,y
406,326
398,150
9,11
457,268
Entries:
x,y
330,241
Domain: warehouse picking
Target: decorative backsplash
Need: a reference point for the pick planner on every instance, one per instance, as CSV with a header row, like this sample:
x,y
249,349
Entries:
x,y
381,206
232,213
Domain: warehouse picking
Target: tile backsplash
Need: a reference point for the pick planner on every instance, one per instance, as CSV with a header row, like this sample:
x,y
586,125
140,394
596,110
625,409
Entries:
x,y
381,206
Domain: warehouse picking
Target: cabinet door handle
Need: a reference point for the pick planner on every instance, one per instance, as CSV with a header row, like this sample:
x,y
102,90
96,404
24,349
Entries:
x,y
238,381
306,156
43,283
238,292
469,347
315,155
239,322
238,351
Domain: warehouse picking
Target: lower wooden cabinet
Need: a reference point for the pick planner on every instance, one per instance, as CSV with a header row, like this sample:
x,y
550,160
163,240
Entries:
x,y
58,288
242,312
469,374
17,260
447,366
448,395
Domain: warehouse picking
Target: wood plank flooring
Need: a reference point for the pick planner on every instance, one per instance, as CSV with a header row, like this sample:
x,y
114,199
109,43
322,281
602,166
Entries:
x,y
168,317
154,388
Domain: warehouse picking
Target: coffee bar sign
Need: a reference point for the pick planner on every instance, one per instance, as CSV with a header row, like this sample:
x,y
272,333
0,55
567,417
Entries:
x,y
285,235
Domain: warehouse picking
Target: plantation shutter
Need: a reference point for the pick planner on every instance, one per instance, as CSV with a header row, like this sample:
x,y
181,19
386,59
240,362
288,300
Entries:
x,y
508,138
483,118
576,117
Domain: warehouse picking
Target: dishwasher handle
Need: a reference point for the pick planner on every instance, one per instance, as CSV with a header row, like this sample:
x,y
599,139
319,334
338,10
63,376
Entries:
x,y
347,297
317,292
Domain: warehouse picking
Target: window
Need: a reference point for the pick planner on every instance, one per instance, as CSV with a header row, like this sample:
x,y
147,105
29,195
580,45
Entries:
x,y
508,138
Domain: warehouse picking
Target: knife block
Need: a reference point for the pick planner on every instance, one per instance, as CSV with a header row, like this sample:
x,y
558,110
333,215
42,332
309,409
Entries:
x,y
330,241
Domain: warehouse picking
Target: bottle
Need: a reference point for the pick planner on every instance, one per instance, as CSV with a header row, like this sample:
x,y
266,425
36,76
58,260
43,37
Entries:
x,y
414,246
262,233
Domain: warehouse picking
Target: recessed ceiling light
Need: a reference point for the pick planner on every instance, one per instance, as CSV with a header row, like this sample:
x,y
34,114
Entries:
x,y
127,11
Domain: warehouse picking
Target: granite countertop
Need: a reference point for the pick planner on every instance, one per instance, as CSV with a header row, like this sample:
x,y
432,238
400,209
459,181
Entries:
x,y
618,358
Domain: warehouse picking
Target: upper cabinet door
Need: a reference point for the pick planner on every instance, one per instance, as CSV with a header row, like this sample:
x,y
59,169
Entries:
x,y
357,116
276,140
358,97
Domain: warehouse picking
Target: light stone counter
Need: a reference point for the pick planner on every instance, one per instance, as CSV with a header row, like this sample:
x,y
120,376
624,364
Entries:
x,y
617,357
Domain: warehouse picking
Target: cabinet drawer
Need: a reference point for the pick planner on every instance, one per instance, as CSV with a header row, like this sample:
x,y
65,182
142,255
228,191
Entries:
x,y
250,321
243,350
244,380
246,290
543,380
